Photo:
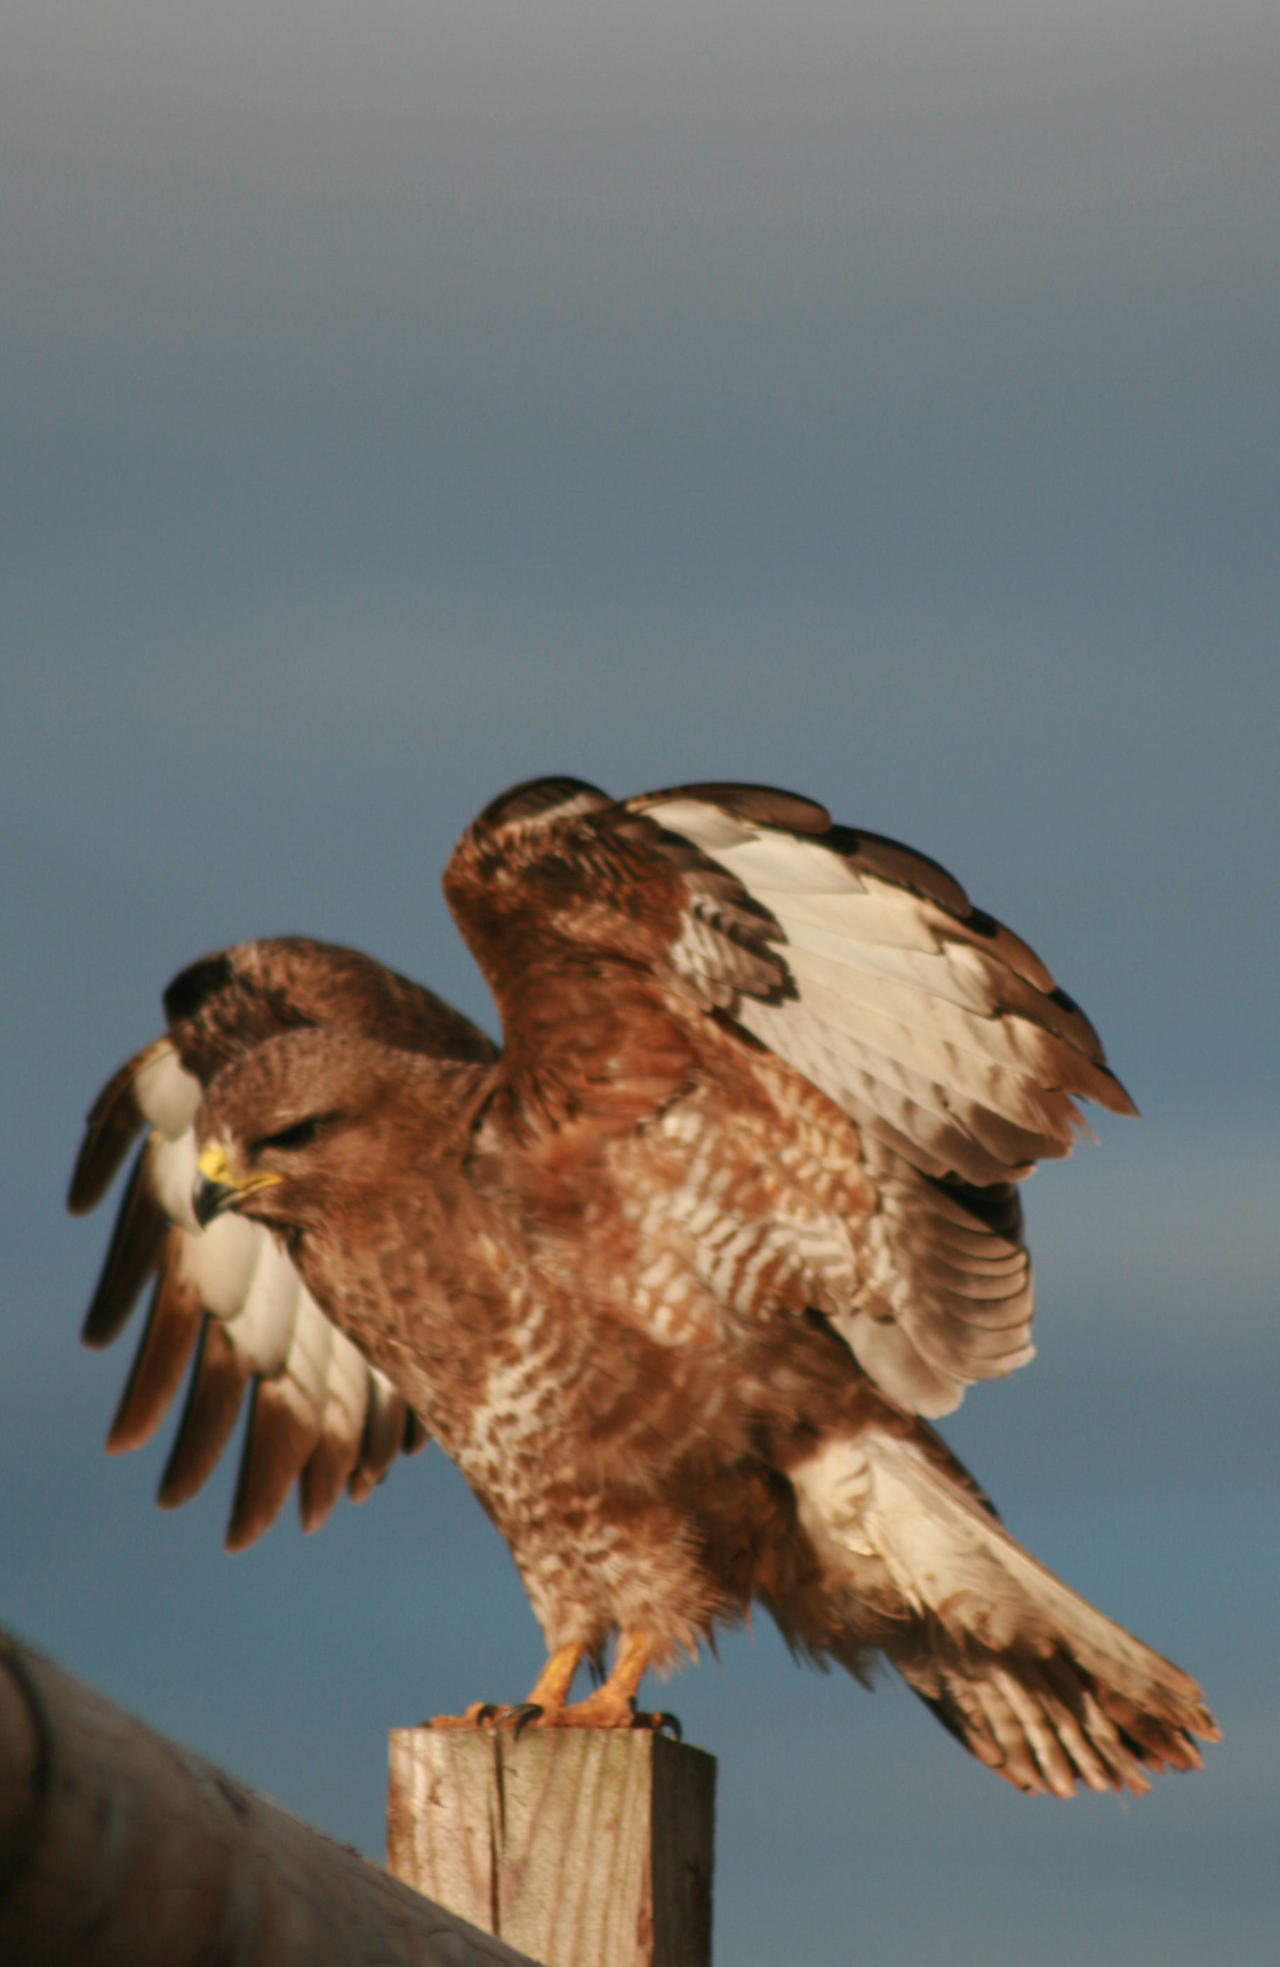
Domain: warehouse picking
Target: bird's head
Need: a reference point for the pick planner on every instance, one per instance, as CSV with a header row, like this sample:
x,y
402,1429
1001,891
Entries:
x,y
293,1129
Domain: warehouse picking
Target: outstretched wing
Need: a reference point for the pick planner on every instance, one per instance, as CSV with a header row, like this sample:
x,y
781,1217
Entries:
x,y
864,966
228,1295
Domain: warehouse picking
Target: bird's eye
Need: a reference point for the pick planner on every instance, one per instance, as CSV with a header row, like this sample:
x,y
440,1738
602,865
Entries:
x,y
301,1134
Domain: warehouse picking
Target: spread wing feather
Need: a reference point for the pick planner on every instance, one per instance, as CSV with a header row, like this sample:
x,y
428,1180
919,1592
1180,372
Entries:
x,y
945,1040
861,964
897,976
227,1297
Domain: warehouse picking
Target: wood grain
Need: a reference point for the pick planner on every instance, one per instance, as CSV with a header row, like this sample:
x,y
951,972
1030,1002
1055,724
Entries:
x,y
585,1848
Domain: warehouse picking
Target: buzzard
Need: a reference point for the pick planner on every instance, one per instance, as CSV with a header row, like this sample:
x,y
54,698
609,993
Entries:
x,y
677,1278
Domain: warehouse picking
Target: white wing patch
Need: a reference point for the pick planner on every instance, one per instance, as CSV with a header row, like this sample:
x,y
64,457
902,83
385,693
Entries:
x,y
317,1394
166,1093
901,1015
942,1037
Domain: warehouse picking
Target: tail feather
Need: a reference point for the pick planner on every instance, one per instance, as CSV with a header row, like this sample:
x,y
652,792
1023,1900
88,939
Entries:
x,y
1031,1678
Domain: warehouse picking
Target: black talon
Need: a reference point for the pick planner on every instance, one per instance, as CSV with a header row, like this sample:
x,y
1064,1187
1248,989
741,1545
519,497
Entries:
x,y
660,1722
475,1717
523,1714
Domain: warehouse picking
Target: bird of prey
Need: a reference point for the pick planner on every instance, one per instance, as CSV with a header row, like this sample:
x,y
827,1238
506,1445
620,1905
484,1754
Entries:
x,y
677,1277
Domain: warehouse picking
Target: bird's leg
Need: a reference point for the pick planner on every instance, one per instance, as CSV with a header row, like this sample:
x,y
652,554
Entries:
x,y
547,1696
613,1705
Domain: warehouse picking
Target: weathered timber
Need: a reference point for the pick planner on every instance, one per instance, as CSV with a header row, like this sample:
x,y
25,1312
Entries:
x,y
118,1848
584,1848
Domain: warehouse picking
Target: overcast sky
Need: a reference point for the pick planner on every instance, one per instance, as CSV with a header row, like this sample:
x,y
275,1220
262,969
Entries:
x,y
876,400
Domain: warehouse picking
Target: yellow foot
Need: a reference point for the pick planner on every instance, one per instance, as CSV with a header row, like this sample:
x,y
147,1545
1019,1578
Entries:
x,y
607,1708
603,1709
481,1714
611,1706
547,1696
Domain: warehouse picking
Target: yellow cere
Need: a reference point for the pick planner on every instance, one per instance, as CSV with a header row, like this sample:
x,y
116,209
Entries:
x,y
214,1166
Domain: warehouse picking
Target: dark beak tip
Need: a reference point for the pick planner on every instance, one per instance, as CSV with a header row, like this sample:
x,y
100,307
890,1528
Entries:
x,y
209,1199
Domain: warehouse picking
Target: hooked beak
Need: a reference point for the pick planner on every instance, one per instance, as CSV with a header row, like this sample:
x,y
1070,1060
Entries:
x,y
218,1188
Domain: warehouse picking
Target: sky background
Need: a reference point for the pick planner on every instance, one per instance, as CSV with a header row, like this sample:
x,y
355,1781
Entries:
x,y
876,400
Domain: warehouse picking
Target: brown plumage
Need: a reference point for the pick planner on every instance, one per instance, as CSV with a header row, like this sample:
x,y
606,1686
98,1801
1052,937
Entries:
x,y
229,1297
674,1277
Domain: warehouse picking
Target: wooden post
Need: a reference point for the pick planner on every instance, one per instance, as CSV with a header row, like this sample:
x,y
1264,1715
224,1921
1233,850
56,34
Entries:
x,y
584,1848
119,1848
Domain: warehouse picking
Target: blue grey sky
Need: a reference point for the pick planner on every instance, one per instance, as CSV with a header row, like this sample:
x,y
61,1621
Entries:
x,y
876,400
